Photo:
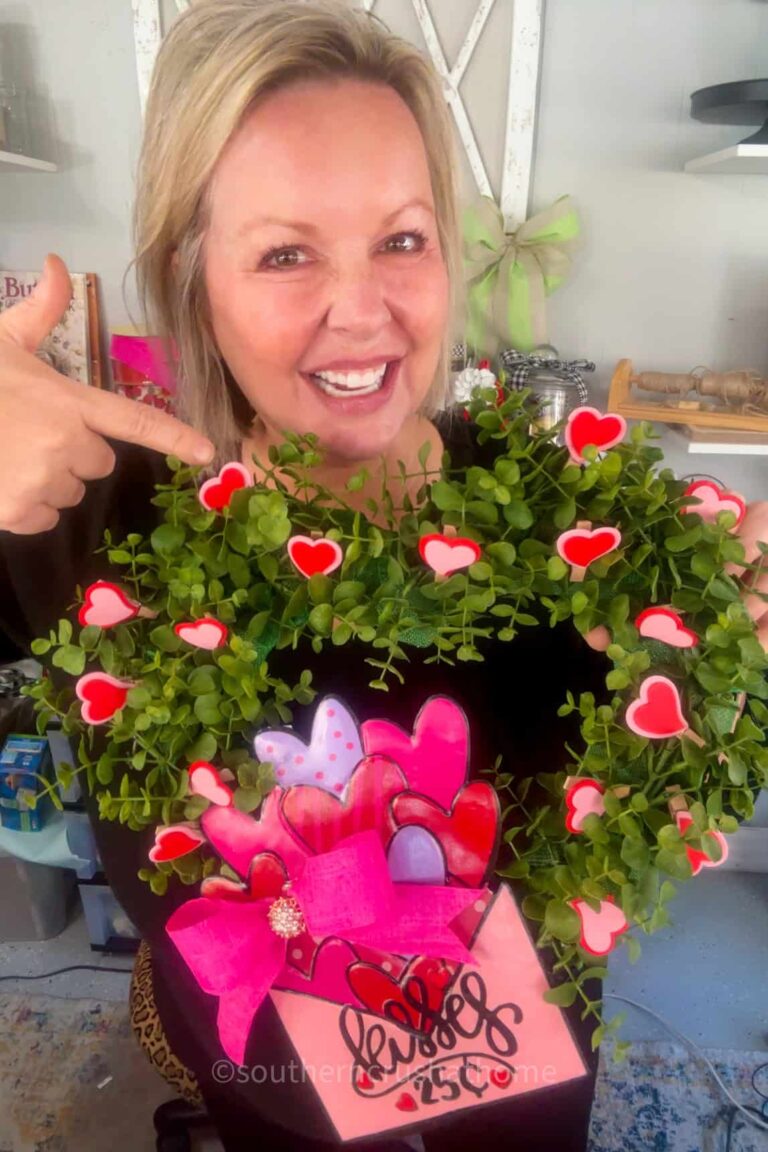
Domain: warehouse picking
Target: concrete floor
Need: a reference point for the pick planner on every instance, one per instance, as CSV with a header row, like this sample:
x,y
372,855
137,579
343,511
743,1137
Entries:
x,y
72,947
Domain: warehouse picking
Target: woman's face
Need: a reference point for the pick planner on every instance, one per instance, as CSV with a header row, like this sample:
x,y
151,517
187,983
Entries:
x,y
322,256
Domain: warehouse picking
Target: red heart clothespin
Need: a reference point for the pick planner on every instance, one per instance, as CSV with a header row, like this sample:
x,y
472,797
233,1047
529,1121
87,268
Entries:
x,y
582,545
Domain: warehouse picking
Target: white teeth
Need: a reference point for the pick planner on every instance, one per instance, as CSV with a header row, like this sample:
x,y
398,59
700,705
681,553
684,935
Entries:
x,y
354,379
345,383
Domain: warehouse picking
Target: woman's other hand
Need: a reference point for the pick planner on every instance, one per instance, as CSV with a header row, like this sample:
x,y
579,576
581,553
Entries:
x,y
54,428
752,530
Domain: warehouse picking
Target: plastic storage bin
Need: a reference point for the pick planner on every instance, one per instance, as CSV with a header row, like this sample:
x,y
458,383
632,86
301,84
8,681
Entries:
x,y
34,899
82,843
109,928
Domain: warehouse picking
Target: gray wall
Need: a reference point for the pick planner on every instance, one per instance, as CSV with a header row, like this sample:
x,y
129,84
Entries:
x,y
673,268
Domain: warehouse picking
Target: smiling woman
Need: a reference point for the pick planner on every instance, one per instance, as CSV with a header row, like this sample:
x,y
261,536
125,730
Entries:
x,y
318,196
297,246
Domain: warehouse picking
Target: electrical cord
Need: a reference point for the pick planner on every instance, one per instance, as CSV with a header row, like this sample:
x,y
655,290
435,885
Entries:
x,y
758,1120
61,971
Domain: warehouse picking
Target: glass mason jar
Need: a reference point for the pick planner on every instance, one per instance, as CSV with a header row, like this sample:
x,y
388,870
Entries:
x,y
13,114
556,386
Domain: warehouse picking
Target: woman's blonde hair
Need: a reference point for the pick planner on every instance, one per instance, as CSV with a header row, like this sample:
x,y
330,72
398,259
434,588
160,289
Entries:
x,y
219,58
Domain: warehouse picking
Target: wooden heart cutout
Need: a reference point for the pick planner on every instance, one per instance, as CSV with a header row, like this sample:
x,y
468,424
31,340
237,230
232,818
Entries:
x,y
584,798
448,554
589,426
205,633
714,500
468,833
102,696
106,605
314,557
321,819
266,878
600,930
435,757
665,625
174,841
580,547
216,493
657,713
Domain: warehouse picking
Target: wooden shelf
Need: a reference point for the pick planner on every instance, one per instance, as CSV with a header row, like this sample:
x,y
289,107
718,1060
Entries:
x,y
744,159
14,162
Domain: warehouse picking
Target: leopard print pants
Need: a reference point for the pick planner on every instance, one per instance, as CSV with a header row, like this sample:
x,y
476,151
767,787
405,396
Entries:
x,y
145,1022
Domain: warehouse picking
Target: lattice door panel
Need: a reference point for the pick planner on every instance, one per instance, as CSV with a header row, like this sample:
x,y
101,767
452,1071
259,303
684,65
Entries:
x,y
519,59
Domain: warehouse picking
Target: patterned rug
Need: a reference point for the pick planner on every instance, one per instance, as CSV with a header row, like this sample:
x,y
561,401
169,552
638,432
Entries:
x,y
54,1054
662,1099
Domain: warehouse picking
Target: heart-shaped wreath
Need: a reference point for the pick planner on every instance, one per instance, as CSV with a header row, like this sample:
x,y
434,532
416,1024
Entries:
x,y
174,659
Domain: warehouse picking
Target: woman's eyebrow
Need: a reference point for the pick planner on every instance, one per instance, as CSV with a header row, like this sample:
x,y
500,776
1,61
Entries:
x,y
304,226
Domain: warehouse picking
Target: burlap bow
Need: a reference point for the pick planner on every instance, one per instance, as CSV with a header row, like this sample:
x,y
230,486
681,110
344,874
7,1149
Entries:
x,y
509,274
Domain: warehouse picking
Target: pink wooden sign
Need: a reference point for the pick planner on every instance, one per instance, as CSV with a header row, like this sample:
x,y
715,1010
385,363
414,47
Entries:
x,y
484,1035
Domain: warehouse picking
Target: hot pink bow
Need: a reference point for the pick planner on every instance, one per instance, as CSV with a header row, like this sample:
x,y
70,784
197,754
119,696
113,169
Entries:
x,y
234,954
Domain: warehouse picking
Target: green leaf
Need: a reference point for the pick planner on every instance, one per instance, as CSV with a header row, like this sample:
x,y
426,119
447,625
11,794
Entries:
x,y
165,639
518,514
565,514
557,569
69,658
40,647
167,539
564,995
562,921
204,748
446,497
321,619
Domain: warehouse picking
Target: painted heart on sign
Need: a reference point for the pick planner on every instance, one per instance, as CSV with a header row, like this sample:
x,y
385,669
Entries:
x,y
325,975
501,1077
468,833
102,696
402,1000
584,798
327,761
321,819
600,930
697,858
406,1103
580,547
205,633
658,712
314,557
415,857
447,554
175,841
714,500
665,625
216,493
237,837
106,605
266,877
435,758
589,426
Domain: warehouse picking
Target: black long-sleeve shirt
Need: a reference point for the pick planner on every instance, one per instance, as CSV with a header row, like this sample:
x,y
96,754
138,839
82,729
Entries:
x,y
511,701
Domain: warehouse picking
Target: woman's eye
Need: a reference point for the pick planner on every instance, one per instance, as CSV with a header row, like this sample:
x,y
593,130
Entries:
x,y
417,240
277,254
403,243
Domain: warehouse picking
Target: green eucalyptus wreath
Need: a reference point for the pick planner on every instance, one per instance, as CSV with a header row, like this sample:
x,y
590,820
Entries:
x,y
193,705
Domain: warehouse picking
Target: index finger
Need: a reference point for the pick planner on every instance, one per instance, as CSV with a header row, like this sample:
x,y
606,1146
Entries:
x,y
753,531
136,423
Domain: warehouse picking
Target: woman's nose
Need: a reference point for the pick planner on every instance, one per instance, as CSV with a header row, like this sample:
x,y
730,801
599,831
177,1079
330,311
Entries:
x,y
358,300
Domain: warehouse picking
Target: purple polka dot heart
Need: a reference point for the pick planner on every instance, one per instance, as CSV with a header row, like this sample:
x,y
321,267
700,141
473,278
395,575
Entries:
x,y
327,761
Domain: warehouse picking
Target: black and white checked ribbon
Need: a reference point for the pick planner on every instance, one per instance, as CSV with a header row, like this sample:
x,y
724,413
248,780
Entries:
x,y
518,367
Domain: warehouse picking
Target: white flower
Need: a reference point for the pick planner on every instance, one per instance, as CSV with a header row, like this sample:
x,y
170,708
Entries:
x,y
467,380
